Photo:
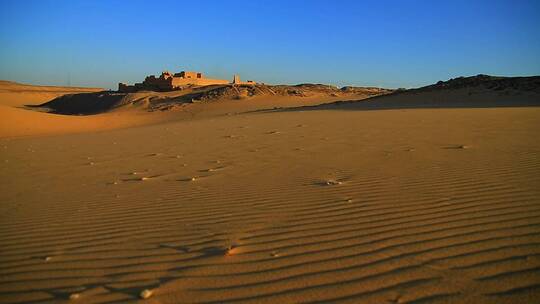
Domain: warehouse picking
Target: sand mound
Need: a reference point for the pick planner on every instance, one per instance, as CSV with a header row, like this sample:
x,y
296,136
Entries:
x,y
19,121
84,103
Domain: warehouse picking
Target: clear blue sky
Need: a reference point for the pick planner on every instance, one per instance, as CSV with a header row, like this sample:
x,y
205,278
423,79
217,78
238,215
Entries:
x,y
382,43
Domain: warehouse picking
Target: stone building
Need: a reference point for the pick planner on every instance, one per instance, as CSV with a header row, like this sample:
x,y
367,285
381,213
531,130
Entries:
x,y
168,81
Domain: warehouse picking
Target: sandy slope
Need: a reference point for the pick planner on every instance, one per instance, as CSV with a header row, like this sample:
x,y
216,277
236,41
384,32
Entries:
x,y
134,109
17,121
394,206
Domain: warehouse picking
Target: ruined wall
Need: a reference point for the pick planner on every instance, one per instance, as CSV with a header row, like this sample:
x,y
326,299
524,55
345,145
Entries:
x,y
176,81
160,84
168,82
236,80
124,88
189,74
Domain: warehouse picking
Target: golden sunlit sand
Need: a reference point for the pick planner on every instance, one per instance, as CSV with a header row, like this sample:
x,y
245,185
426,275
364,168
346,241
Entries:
x,y
428,196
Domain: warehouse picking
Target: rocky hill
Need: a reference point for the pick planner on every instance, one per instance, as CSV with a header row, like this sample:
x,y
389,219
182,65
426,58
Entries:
x,y
475,91
495,83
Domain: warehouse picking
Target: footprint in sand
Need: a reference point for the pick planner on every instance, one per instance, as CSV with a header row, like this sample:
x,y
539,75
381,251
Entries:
x,y
330,182
216,251
189,179
457,147
137,172
140,179
184,249
213,169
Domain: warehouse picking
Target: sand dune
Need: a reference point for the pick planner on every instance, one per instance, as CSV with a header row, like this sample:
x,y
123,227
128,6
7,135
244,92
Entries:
x,y
17,120
23,107
396,206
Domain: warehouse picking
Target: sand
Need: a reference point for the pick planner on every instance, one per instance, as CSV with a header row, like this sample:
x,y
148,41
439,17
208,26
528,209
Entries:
x,y
233,205
18,121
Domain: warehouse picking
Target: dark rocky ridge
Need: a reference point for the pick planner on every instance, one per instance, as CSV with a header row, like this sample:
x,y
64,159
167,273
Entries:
x,y
478,91
496,83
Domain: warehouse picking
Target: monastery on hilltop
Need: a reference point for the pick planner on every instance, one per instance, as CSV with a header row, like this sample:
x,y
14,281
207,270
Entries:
x,y
169,82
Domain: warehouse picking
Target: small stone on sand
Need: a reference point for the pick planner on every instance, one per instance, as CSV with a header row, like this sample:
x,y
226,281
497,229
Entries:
x,y
74,296
231,250
145,294
333,182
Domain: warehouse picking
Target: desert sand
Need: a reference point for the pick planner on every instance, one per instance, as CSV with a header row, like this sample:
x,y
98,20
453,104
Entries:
x,y
427,196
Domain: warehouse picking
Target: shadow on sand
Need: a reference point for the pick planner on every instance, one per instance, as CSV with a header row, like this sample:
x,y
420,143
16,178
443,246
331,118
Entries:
x,y
440,99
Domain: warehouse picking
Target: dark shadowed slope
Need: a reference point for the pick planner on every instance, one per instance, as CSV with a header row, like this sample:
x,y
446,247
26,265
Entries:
x,y
479,91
